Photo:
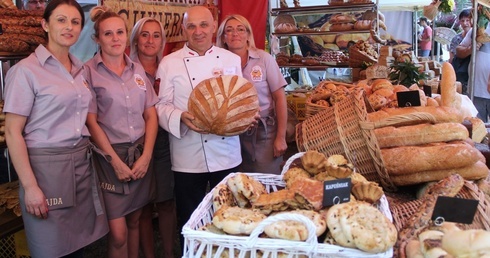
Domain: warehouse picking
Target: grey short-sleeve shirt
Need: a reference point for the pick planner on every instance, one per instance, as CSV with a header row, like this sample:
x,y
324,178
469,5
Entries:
x,y
54,100
120,100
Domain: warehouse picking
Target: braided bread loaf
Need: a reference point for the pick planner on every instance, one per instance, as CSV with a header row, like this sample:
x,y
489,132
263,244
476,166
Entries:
x,y
225,105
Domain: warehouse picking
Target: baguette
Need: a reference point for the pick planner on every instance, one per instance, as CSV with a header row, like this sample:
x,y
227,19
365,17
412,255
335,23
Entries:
x,y
449,96
441,114
472,172
420,134
408,160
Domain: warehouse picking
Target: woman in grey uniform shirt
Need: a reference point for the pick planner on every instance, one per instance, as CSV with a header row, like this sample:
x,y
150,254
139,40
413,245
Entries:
x,y
47,100
123,123
147,43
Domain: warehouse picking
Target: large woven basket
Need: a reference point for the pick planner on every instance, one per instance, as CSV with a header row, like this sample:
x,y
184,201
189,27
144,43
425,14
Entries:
x,y
200,243
312,108
357,59
403,210
339,130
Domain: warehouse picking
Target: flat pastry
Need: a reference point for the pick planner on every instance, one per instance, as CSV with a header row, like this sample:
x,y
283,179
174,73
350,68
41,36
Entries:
x,y
222,195
236,220
308,193
245,189
274,201
295,230
225,105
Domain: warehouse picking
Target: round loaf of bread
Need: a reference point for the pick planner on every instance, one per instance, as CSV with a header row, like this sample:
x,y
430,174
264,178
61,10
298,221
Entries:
x,y
225,105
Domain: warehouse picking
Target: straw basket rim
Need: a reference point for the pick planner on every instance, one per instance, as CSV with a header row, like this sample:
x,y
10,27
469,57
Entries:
x,y
444,35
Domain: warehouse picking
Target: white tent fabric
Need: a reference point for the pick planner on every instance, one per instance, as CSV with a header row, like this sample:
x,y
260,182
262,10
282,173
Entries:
x,y
392,5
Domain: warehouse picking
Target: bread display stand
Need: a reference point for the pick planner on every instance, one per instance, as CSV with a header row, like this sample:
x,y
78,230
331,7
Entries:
x,y
205,244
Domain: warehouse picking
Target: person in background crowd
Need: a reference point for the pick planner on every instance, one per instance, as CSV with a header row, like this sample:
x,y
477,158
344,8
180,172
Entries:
x,y
198,158
460,65
426,37
147,44
46,106
264,145
123,123
34,5
481,87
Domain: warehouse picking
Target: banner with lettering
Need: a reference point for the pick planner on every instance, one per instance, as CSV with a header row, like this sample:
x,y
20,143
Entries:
x,y
168,12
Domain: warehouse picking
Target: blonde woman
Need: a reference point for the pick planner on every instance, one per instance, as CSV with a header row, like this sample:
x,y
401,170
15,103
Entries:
x,y
263,146
147,43
123,123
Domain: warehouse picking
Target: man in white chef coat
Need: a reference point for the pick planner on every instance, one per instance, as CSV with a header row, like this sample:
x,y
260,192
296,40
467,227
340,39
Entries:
x,y
197,158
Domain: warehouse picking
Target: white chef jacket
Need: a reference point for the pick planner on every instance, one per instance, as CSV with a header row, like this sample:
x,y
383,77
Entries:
x,y
179,73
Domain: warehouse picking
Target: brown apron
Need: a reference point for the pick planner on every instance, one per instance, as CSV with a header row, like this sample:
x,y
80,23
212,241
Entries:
x,y
258,146
122,198
76,213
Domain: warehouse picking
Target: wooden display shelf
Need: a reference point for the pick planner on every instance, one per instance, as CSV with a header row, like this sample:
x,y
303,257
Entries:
x,y
10,224
322,8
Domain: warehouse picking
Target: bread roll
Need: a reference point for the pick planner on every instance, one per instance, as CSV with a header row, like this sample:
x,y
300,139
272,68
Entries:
x,y
448,86
420,134
473,172
467,243
441,114
226,105
381,84
412,159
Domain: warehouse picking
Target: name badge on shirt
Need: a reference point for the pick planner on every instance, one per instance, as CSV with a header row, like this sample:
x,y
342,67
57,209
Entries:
x,y
140,81
256,73
217,72
85,82
229,71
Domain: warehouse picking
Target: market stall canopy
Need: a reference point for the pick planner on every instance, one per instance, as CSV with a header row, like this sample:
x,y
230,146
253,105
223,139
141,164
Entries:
x,y
388,5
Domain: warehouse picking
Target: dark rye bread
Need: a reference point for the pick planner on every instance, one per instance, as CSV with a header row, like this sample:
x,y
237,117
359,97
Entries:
x,y
226,105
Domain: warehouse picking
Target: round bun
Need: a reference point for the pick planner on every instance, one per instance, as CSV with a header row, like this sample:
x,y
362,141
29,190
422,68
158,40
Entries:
x,y
381,84
97,11
226,105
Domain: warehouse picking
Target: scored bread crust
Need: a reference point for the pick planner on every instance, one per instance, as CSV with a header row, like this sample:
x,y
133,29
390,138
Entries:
x,y
245,189
225,105
236,220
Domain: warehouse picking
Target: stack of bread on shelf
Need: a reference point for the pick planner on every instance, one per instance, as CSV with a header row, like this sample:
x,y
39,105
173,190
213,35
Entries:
x,y
242,203
419,151
22,31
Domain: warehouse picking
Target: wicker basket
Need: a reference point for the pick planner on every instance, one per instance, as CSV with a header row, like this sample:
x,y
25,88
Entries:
x,y
444,35
357,58
206,244
339,130
402,211
312,108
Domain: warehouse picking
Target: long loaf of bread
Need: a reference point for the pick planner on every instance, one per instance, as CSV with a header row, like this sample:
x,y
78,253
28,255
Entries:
x,y
475,171
449,95
441,114
436,156
420,134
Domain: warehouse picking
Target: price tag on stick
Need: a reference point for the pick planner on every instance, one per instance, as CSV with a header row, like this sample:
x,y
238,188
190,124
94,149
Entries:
x,y
456,210
336,191
408,98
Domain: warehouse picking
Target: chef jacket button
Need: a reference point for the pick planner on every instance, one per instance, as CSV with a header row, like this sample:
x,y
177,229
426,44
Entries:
x,y
193,79
187,60
217,56
222,138
205,140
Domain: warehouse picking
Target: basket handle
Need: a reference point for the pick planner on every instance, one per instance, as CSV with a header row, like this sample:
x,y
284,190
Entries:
x,y
290,160
310,226
400,120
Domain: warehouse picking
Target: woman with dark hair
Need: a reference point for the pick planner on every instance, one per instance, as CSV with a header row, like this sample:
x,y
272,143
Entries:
x,y
147,42
46,103
123,123
264,145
